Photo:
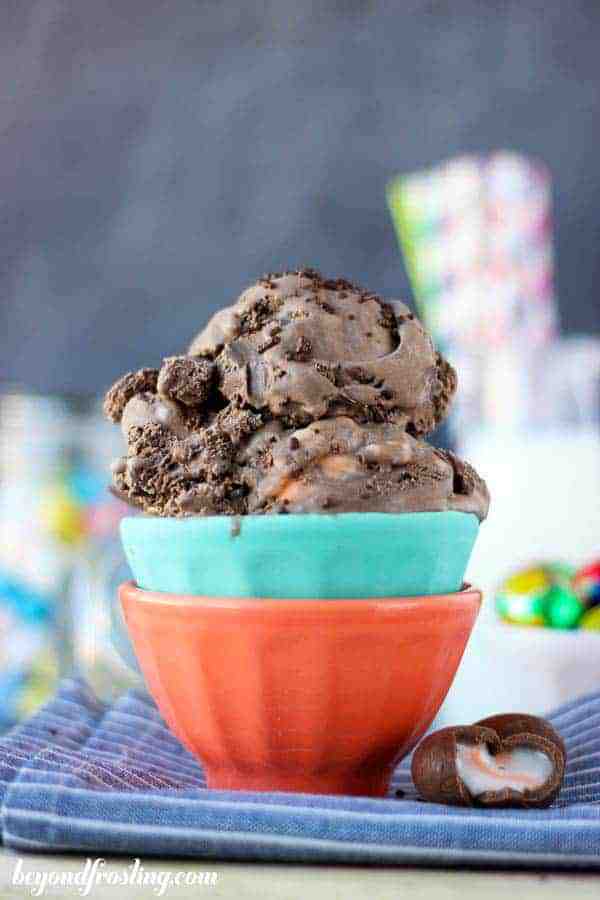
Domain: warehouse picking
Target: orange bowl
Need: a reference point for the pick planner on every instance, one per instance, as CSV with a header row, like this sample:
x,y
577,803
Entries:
x,y
317,696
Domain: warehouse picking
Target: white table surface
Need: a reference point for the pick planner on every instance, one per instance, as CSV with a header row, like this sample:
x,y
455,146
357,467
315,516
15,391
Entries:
x,y
309,882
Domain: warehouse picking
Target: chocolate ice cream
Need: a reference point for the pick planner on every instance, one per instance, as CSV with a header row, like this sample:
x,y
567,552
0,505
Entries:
x,y
301,348
306,395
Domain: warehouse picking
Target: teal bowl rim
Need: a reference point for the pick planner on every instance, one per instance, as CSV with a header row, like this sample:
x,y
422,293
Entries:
x,y
289,521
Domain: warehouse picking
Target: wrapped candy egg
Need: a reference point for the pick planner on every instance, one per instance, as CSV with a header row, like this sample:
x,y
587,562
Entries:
x,y
540,595
586,583
591,619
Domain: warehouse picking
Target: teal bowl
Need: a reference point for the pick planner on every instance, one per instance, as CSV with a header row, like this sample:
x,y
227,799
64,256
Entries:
x,y
304,556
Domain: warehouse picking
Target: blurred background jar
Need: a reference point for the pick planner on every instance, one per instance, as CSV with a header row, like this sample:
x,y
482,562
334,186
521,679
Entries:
x,y
477,238
58,550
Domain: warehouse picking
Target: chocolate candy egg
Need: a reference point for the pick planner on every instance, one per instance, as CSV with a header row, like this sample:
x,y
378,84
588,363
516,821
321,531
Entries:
x,y
512,759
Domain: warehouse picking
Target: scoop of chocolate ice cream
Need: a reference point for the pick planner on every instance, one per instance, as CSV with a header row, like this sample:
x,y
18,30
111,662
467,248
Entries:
x,y
302,348
307,395
339,465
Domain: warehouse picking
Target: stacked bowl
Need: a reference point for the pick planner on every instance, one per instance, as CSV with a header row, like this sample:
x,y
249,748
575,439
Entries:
x,y
300,653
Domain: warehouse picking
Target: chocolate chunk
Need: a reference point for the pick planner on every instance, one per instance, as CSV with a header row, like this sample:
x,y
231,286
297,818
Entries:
x,y
236,424
127,387
447,382
186,379
302,350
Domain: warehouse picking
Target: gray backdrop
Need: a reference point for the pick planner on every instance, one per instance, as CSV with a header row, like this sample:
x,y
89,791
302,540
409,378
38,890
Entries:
x,y
157,156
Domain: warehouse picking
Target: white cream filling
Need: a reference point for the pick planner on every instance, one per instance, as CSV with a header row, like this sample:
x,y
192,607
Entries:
x,y
520,769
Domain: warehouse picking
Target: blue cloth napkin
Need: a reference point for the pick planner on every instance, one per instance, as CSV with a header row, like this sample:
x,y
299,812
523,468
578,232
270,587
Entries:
x,y
81,775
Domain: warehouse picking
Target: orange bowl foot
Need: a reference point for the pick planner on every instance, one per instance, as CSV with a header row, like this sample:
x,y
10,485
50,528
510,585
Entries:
x,y
356,784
